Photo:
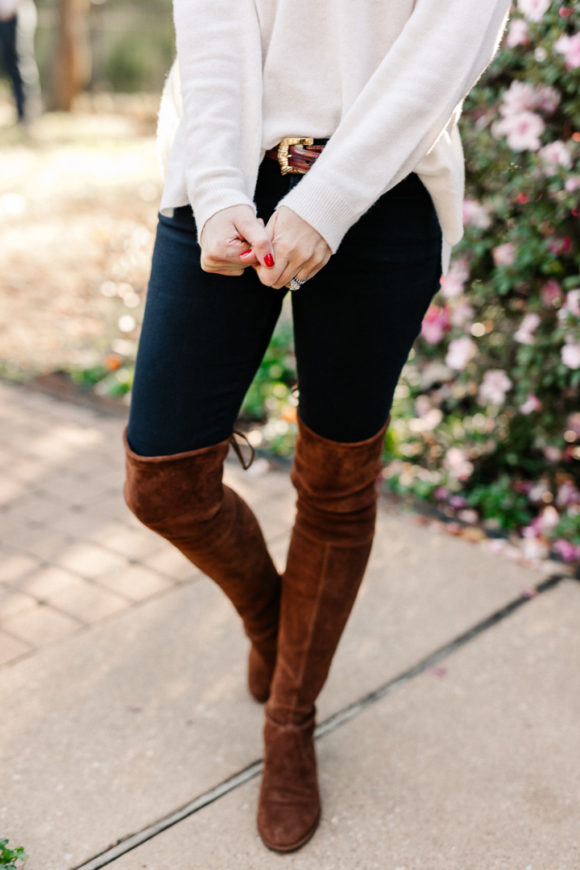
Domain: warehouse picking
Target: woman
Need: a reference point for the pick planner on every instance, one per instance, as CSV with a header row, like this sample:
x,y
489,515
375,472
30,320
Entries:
x,y
362,225
17,29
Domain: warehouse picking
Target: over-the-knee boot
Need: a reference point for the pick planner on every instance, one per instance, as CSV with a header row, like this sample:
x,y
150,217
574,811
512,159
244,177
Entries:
x,y
330,545
183,499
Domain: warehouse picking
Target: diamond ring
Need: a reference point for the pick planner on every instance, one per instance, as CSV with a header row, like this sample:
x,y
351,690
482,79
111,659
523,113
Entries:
x,y
295,284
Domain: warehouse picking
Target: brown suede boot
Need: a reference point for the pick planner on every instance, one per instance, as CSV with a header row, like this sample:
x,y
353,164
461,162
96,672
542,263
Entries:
x,y
329,549
183,499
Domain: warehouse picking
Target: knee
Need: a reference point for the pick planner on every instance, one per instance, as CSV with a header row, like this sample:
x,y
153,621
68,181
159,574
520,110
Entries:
x,y
337,485
342,475
162,489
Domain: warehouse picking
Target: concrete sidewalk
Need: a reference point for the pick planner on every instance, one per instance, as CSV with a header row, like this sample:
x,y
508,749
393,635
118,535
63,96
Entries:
x,y
449,727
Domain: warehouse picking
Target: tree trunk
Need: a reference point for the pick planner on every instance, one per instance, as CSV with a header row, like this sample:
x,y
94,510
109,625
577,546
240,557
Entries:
x,y
72,63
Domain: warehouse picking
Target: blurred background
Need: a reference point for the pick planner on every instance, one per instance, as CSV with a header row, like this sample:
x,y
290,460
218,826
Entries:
x,y
486,422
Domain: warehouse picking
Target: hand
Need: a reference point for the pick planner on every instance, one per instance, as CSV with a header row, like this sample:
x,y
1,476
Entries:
x,y
230,232
299,250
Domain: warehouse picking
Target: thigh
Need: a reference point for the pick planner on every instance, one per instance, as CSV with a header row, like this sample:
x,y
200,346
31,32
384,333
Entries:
x,y
356,321
202,340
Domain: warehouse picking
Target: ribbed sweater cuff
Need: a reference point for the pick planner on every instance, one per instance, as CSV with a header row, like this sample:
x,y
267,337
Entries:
x,y
213,200
318,203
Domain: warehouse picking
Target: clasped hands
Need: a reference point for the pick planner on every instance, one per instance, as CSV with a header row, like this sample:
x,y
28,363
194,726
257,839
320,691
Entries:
x,y
286,247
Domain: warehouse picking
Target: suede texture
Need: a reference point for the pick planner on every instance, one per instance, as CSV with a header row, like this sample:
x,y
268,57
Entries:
x,y
183,499
289,807
329,549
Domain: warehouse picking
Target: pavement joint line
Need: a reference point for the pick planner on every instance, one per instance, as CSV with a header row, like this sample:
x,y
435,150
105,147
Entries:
x,y
332,723
203,800
341,717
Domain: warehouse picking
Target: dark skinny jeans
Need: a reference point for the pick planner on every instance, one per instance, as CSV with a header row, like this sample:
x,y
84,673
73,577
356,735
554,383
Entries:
x,y
204,335
9,59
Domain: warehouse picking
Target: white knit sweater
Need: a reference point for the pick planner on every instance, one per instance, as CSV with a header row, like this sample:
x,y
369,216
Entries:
x,y
383,79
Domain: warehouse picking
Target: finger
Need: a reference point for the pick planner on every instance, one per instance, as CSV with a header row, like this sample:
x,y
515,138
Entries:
x,y
225,255
268,277
252,229
305,272
219,267
223,271
292,270
248,258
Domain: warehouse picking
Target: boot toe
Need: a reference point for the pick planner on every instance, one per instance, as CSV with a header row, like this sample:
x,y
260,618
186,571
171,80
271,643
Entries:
x,y
285,827
289,804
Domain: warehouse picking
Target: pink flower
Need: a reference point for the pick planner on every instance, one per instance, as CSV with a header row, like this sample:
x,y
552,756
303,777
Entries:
x,y
519,97
567,495
572,303
457,501
569,46
518,33
460,351
572,184
555,154
536,494
573,423
459,467
551,292
453,283
552,454
532,403
494,387
441,493
566,550
504,255
523,130
547,98
525,334
534,10
435,324
532,530
475,214
570,354
560,246
548,519
461,314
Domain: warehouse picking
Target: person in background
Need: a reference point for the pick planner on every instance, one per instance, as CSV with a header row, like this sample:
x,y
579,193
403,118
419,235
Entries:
x,y
17,28
315,148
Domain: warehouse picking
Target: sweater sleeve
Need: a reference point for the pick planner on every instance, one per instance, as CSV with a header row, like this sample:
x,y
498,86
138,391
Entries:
x,y
401,112
220,68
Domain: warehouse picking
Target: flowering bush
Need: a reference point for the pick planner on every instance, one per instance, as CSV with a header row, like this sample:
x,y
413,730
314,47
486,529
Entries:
x,y
487,416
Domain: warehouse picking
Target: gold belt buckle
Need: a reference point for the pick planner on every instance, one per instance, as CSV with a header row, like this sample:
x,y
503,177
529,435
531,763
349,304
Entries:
x,y
284,152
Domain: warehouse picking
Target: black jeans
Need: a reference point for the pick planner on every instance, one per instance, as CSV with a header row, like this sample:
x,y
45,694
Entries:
x,y
9,56
204,335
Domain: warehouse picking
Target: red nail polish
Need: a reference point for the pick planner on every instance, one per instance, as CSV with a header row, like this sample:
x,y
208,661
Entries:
x,y
245,253
269,260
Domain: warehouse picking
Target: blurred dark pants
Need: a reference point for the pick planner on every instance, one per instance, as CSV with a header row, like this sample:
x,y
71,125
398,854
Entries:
x,y
9,55
204,335
17,57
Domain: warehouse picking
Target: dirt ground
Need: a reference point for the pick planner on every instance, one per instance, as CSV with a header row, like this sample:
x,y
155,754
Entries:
x,y
78,207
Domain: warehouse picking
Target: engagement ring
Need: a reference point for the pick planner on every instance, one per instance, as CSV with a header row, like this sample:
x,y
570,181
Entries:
x,y
295,284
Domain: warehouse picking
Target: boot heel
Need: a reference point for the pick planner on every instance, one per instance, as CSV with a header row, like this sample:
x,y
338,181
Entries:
x,y
289,805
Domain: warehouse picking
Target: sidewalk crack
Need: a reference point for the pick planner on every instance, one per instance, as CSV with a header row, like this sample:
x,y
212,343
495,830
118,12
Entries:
x,y
332,723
